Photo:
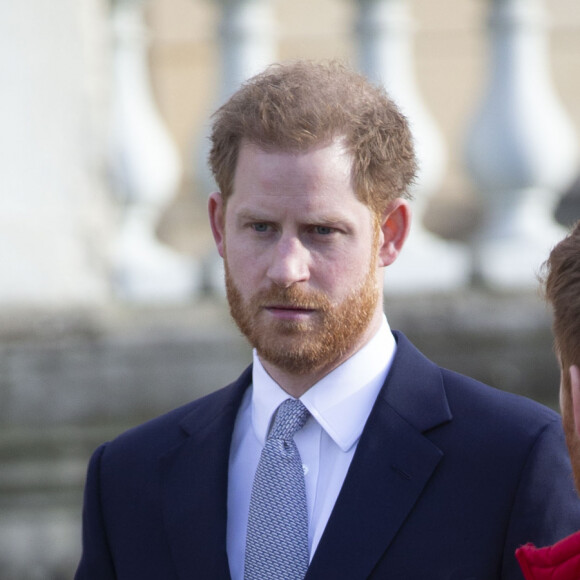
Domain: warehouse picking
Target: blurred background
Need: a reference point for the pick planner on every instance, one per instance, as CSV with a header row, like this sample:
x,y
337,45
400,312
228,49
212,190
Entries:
x,y
112,307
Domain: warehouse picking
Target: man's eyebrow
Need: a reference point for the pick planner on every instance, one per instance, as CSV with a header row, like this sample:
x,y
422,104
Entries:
x,y
330,219
251,215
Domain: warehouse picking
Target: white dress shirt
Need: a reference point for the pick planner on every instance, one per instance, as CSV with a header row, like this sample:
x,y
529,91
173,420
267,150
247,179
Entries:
x,y
339,403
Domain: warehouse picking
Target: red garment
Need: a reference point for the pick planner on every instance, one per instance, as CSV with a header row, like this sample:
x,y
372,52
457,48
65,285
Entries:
x,y
558,562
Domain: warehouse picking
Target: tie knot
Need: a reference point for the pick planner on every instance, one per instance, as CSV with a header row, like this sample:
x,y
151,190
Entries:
x,y
290,417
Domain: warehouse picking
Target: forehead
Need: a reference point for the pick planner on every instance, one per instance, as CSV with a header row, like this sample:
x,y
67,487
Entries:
x,y
323,171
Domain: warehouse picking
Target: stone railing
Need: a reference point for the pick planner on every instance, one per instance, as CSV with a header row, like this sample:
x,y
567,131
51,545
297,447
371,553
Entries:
x,y
91,132
520,150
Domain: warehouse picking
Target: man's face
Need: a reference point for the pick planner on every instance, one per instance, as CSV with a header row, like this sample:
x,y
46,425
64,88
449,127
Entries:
x,y
568,420
300,253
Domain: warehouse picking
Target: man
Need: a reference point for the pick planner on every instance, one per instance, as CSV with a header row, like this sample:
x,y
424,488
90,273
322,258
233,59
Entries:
x,y
341,453
562,290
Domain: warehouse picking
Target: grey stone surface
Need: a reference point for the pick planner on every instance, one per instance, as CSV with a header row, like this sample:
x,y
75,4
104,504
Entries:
x,y
114,366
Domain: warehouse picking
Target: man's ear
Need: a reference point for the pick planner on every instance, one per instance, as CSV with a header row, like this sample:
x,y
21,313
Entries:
x,y
395,226
575,392
216,212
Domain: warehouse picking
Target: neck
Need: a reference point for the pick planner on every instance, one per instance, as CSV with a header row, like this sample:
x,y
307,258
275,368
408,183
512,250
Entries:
x,y
295,384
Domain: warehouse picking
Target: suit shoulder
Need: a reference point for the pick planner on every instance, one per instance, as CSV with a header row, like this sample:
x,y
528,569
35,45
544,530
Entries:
x,y
418,387
480,402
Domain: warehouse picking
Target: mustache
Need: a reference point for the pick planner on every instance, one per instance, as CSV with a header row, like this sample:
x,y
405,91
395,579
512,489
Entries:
x,y
293,297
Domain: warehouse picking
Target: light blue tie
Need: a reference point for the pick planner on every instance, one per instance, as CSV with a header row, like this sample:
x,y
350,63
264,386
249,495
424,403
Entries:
x,y
277,540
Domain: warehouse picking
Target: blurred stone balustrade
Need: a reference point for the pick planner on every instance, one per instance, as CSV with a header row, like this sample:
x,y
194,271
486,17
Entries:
x,y
111,305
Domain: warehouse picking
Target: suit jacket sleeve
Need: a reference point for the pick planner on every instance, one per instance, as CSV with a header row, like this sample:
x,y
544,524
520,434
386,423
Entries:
x,y
545,507
96,562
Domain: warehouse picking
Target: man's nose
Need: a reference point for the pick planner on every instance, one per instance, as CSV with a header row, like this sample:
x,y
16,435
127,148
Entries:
x,y
290,262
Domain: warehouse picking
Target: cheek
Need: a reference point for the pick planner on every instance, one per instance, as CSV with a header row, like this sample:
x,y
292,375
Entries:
x,y
245,268
343,275
564,401
566,409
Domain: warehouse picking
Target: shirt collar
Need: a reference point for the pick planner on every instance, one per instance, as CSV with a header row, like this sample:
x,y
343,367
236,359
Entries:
x,y
341,401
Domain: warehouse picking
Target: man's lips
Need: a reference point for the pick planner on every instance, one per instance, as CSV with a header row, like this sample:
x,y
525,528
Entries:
x,y
288,311
299,308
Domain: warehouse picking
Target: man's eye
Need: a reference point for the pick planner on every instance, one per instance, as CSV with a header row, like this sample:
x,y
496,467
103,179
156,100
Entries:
x,y
323,230
260,227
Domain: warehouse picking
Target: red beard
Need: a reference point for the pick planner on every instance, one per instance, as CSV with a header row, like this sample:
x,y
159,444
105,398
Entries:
x,y
303,347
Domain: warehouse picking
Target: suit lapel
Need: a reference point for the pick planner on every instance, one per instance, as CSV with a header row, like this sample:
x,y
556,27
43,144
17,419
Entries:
x,y
194,485
392,465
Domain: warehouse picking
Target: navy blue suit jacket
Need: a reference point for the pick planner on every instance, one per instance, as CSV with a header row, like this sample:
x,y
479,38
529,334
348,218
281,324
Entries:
x,y
450,476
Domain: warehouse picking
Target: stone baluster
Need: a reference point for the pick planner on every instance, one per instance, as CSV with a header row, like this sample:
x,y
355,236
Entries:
x,y
247,36
385,35
521,150
247,40
54,212
145,170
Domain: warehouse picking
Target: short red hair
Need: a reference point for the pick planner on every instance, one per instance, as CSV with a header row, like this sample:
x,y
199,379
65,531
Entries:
x,y
293,107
